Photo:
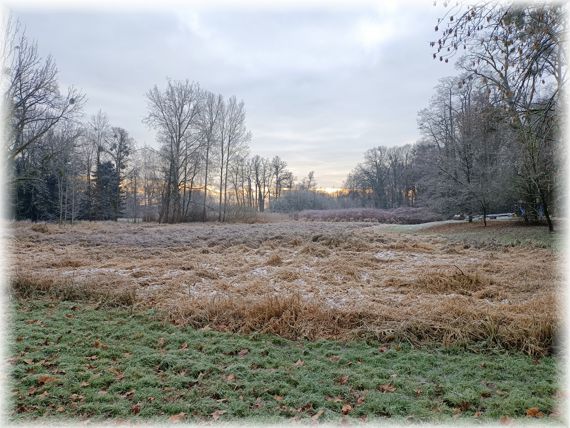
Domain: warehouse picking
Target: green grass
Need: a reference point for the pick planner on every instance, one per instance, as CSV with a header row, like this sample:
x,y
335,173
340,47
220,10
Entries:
x,y
70,360
510,234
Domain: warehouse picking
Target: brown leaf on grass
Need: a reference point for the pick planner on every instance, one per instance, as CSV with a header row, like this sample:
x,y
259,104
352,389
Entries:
x,y
184,346
102,392
60,409
317,415
98,344
278,398
28,361
334,359
92,357
32,390
258,403
477,414
76,397
43,395
19,338
136,409
299,363
119,375
336,399
43,379
343,379
534,412
69,316
161,342
231,377
505,420
177,418
360,400
383,349
84,384
346,409
216,415
386,387
151,399
418,392
129,394
243,352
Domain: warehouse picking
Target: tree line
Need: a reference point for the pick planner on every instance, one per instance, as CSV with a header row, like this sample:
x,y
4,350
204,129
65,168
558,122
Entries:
x,y
491,134
64,167
490,138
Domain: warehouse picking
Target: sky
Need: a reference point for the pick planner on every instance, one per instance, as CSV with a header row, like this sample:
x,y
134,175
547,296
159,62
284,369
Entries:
x,y
321,82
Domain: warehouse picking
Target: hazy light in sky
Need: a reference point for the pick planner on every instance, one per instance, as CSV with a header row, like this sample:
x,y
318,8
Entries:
x,y
321,84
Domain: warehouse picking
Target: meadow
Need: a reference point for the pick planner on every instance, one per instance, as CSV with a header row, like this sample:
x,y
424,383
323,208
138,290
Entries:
x,y
284,320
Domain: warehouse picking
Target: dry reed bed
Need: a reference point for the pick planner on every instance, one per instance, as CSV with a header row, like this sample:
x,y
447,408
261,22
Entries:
x,y
301,279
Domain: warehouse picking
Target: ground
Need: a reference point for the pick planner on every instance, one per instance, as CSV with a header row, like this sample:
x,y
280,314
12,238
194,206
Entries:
x,y
456,292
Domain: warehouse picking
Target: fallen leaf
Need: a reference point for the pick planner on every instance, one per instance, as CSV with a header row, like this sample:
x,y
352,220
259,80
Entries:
x,y
102,392
346,409
505,420
69,316
177,418
299,363
76,397
136,409
19,338
334,359
43,395
84,384
43,379
278,398
92,357
60,409
231,377
360,400
29,361
418,392
184,346
386,387
216,415
343,379
129,394
258,403
151,399
161,342
32,390
336,399
243,352
534,412
317,415
383,349
477,414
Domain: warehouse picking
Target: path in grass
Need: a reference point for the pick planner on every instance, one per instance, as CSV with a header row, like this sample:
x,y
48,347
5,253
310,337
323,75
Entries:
x,y
70,360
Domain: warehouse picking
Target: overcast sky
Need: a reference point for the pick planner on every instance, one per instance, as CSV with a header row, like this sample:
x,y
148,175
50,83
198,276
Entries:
x,y
321,85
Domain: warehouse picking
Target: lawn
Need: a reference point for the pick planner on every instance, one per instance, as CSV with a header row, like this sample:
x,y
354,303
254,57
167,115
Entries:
x,y
77,360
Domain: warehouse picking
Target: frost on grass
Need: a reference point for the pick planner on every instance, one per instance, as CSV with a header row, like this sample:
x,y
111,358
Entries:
x,y
308,279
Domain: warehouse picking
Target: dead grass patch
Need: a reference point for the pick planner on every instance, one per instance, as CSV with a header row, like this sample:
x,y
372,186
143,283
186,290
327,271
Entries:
x,y
300,279
274,260
41,228
25,286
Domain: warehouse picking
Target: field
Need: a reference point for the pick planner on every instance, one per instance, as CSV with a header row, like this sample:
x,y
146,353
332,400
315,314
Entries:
x,y
309,291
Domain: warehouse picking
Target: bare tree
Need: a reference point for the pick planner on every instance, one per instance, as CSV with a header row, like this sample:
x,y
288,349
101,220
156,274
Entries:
x,y
173,113
33,98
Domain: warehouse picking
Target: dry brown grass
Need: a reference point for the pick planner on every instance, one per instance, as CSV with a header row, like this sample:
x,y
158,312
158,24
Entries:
x,y
301,279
